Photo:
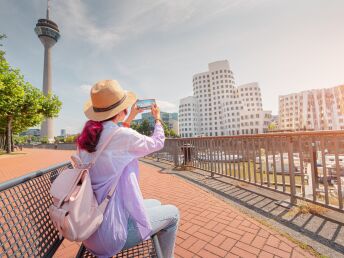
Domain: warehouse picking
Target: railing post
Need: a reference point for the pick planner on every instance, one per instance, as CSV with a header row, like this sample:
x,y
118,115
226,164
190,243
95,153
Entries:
x,y
175,154
339,181
293,199
314,155
211,158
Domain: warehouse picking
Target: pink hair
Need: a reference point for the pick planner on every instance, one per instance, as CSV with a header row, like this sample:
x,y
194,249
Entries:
x,y
89,137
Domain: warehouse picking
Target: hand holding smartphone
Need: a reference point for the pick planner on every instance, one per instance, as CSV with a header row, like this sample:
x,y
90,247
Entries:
x,y
145,103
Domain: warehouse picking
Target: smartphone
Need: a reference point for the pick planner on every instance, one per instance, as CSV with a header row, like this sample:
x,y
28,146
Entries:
x,y
145,103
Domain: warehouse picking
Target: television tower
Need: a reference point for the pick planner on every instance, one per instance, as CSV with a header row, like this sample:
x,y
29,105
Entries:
x,y
48,32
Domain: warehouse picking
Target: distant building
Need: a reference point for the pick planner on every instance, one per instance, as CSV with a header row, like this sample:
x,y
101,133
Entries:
x,y
32,132
319,109
174,125
275,120
63,132
189,117
218,107
170,119
253,119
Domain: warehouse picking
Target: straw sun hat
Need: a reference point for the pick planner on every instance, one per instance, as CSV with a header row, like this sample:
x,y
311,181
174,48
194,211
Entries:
x,y
107,100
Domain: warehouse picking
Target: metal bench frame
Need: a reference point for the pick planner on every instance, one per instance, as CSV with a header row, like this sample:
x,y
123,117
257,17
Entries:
x,y
25,226
149,248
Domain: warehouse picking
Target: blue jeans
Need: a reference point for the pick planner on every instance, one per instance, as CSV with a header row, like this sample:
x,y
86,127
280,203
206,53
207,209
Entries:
x,y
164,219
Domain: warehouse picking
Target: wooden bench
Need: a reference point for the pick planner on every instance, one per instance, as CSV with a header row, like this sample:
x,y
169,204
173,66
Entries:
x,y
25,226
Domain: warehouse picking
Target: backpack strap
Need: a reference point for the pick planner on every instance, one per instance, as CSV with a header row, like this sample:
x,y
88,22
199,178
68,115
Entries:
x,y
105,144
104,203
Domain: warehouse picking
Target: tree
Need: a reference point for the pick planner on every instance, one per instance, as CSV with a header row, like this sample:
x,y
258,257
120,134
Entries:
x,y
272,126
71,138
59,139
21,105
2,53
20,139
173,134
144,128
169,132
134,126
44,140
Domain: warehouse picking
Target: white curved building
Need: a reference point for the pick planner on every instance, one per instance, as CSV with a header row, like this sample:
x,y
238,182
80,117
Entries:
x,y
219,105
253,119
188,117
212,90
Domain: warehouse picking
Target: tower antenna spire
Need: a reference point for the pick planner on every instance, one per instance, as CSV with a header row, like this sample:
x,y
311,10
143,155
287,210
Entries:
x,y
48,9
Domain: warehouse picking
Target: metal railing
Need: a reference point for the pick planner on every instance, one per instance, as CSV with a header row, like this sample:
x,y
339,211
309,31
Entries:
x,y
304,165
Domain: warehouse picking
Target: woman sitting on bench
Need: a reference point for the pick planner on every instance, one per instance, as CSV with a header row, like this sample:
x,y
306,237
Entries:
x,y
128,218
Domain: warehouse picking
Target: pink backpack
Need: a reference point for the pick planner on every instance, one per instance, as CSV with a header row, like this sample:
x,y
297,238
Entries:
x,y
75,211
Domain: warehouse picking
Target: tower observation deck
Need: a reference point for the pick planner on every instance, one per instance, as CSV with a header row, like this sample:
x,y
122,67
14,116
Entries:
x,y
48,33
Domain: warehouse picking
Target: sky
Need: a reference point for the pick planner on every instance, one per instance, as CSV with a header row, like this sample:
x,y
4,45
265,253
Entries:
x,y
153,47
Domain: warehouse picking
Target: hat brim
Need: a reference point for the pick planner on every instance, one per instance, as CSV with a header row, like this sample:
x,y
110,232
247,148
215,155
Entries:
x,y
100,116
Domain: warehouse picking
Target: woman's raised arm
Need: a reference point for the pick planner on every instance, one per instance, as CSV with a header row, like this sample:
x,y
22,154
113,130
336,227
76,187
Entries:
x,y
141,145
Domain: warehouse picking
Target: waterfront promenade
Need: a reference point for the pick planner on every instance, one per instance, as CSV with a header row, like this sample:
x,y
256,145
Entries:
x,y
209,226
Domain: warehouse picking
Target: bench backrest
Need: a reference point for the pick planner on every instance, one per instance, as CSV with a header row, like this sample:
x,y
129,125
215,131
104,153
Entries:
x,y
25,226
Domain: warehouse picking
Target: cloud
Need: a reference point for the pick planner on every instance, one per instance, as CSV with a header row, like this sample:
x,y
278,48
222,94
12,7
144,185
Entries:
x,y
77,22
166,106
121,21
85,88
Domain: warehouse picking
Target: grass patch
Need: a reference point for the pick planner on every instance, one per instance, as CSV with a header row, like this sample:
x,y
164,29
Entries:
x,y
307,208
187,168
242,184
183,168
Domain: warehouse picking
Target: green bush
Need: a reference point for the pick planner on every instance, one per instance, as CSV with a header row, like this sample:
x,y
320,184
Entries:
x,y
71,139
19,139
44,140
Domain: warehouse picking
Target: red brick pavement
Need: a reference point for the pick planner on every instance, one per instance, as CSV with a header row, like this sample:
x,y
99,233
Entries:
x,y
209,227
28,160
